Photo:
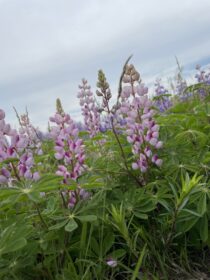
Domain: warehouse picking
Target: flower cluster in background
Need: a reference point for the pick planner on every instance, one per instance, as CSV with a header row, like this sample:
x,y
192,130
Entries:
x,y
17,145
162,101
89,109
202,76
133,115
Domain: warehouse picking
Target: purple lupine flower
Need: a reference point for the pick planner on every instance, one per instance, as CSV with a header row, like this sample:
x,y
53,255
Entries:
x,y
202,76
111,262
181,85
141,129
163,102
116,118
15,145
25,165
89,109
2,115
69,148
80,194
69,151
4,175
33,135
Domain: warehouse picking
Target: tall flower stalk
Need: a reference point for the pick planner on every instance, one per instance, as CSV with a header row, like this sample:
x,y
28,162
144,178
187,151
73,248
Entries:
x,y
105,92
15,145
69,151
141,129
89,108
162,101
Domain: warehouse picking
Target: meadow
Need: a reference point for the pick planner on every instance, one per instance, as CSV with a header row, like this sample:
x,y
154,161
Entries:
x,y
124,195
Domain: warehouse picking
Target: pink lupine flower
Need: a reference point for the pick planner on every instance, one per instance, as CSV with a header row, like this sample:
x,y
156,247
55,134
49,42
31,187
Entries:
x,y
25,166
89,109
69,148
163,102
141,130
16,145
4,175
2,114
112,262
203,76
156,160
3,179
80,194
36,176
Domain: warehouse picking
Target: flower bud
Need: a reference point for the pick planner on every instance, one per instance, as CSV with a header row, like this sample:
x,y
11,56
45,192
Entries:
x,y
2,114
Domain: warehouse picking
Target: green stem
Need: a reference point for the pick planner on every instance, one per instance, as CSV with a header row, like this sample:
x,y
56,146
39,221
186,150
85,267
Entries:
x,y
123,154
63,199
40,216
139,263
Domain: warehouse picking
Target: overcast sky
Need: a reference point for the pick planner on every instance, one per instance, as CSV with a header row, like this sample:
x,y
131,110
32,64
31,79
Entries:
x,y
47,46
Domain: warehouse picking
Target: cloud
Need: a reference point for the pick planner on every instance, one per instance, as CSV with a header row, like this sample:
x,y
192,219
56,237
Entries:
x,y
47,46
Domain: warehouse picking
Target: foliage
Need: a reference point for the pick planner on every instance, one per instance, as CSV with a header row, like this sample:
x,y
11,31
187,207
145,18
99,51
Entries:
x,y
64,215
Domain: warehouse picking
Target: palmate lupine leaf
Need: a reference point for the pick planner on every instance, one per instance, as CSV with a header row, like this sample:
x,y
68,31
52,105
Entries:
x,y
108,242
13,237
47,183
192,136
71,225
7,192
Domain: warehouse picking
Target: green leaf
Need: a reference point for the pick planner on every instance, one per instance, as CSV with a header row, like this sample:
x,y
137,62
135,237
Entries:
x,y
117,254
93,185
87,218
47,183
71,226
13,246
186,225
12,238
140,215
147,204
34,196
191,212
9,160
202,204
204,229
59,225
139,262
108,242
164,203
94,246
6,192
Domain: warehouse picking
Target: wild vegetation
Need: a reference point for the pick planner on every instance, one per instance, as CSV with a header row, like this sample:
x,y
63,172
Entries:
x,y
125,196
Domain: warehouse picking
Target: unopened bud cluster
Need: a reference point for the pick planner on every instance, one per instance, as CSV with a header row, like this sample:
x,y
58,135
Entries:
x,y
131,75
104,91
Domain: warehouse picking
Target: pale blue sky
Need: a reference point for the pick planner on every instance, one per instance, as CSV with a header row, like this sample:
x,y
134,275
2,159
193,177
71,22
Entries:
x,y
47,46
